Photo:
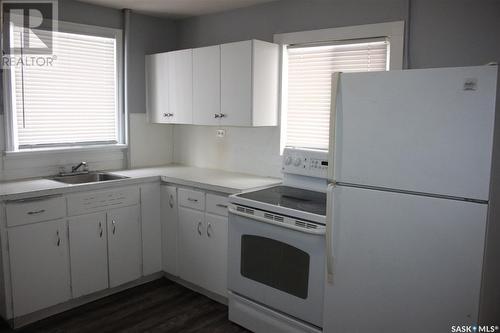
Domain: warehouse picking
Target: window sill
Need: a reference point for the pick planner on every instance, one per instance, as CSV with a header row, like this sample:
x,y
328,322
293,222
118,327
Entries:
x,y
55,150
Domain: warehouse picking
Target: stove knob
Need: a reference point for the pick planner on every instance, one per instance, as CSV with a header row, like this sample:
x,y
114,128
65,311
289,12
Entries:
x,y
288,160
297,161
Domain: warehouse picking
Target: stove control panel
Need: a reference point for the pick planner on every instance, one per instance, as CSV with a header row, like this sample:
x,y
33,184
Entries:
x,y
305,162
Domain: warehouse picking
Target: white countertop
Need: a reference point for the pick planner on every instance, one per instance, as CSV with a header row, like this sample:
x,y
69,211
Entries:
x,y
207,179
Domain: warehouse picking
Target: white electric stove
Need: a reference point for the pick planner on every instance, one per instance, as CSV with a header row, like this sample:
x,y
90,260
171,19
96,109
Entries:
x,y
276,249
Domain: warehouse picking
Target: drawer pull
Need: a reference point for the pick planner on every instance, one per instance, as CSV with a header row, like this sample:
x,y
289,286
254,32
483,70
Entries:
x,y
209,228
192,200
58,238
221,205
199,228
36,212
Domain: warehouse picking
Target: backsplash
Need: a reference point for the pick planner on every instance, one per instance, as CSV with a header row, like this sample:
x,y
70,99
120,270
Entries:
x,y
243,149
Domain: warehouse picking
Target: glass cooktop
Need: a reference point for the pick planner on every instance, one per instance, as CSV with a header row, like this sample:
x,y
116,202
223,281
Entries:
x,y
290,197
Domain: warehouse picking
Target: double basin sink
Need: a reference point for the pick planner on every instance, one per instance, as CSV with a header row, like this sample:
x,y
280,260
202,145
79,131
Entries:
x,y
90,177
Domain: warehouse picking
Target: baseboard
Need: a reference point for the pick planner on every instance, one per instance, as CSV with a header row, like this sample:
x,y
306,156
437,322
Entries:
x,y
200,290
73,303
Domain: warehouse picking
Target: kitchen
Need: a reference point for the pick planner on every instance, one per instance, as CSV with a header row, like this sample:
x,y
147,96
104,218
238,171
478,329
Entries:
x,y
204,102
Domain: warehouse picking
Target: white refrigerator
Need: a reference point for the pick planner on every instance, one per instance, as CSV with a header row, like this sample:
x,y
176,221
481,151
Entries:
x,y
410,163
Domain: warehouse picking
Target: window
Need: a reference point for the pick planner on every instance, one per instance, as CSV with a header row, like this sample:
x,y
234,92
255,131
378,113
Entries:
x,y
71,100
309,59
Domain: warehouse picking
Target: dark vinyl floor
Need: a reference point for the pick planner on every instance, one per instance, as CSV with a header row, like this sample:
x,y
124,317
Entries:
x,y
158,306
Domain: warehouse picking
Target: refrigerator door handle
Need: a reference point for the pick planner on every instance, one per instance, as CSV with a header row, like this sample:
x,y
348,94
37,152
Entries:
x,y
333,112
329,232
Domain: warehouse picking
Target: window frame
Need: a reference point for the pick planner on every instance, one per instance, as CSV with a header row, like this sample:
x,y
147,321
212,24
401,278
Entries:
x,y
11,143
392,31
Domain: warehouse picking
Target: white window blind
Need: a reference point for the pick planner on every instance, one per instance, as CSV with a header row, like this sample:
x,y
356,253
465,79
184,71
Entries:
x,y
74,101
309,83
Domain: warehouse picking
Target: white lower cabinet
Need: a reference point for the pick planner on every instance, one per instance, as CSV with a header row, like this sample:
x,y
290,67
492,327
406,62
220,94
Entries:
x,y
124,245
170,229
216,254
39,264
151,228
203,244
71,246
191,245
89,253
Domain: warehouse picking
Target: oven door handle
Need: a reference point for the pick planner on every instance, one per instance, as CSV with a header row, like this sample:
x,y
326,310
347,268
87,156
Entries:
x,y
320,231
329,232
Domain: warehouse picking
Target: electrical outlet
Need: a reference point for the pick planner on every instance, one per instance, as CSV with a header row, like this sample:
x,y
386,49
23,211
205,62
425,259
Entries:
x,y
221,133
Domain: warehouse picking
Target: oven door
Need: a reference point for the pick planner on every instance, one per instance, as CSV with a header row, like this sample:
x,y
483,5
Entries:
x,y
277,266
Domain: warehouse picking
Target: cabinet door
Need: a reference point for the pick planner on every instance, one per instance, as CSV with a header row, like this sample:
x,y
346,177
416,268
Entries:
x,y
236,83
39,263
206,85
215,255
169,228
89,254
191,246
151,228
157,88
124,245
180,86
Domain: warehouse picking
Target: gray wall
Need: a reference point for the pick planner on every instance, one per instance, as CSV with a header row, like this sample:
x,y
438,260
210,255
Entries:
x,y
147,35
442,32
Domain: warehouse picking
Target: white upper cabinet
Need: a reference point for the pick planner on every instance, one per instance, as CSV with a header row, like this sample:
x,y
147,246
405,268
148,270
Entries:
x,y
157,88
249,84
206,85
234,84
169,87
180,87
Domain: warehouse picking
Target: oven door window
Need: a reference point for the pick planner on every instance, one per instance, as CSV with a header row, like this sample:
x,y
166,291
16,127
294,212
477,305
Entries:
x,y
275,264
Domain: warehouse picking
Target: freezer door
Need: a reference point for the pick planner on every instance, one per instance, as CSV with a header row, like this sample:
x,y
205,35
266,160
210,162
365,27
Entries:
x,y
427,130
403,263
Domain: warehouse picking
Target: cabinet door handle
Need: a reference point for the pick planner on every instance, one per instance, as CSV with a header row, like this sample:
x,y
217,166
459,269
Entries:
x,y
199,228
100,229
222,115
168,115
209,228
36,212
114,226
58,238
171,201
221,205
217,115
192,200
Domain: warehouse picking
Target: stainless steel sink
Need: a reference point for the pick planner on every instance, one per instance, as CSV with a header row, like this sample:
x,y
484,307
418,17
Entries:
x,y
91,177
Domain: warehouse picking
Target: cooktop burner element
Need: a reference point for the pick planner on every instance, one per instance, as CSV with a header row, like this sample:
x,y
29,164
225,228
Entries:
x,y
290,197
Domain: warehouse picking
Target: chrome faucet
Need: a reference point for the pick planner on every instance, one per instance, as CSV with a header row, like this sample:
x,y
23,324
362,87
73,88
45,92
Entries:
x,y
81,164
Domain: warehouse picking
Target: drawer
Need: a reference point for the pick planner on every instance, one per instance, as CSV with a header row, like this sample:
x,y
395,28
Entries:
x,y
88,202
217,204
191,199
35,210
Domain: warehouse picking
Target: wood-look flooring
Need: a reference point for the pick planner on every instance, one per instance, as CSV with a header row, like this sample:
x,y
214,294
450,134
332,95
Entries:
x,y
158,306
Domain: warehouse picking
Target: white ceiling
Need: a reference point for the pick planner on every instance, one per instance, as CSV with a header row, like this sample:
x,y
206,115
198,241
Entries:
x,y
177,8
